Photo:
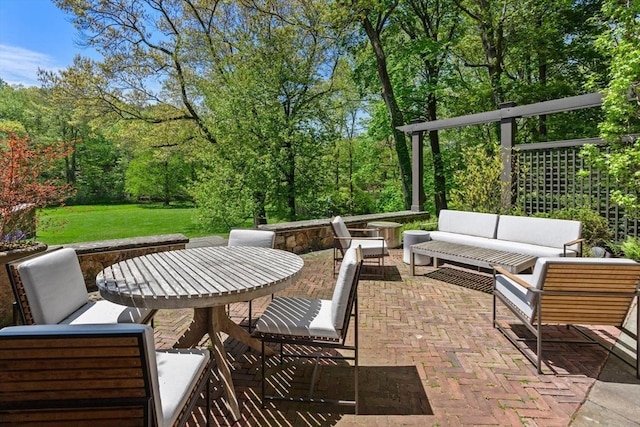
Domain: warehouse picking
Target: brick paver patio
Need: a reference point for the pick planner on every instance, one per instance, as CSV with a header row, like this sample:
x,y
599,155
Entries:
x,y
429,356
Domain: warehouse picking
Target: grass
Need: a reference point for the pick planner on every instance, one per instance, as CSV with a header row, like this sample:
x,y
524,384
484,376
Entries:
x,y
102,222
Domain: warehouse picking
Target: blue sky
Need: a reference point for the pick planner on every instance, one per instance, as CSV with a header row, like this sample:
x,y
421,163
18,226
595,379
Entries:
x,y
34,34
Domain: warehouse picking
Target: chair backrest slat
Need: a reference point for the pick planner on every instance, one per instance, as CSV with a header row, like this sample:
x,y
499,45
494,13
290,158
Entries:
x,y
75,377
592,285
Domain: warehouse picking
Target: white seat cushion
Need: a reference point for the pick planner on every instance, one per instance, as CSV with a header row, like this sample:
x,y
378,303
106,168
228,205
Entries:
x,y
298,317
518,296
54,285
178,373
371,247
106,312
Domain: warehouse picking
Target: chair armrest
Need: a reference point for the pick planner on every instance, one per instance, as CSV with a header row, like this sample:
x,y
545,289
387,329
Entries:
x,y
515,279
578,242
335,238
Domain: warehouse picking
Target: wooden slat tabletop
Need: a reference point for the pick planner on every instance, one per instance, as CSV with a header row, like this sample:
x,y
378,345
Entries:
x,y
198,277
474,255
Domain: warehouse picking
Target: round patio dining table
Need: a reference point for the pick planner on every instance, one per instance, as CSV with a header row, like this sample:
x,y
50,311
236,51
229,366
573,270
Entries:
x,y
205,279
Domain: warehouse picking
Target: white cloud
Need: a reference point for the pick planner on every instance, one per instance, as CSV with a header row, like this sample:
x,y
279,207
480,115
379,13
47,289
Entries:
x,y
19,66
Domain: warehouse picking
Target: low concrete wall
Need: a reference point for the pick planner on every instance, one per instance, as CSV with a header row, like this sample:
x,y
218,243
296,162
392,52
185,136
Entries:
x,y
314,235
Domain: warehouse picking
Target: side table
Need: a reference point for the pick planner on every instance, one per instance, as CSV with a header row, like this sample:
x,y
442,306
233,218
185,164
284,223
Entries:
x,y
413,237
389,230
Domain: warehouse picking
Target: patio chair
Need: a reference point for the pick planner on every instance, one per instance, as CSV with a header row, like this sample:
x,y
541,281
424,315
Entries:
x,y
107,374
373,247
50,288
568,291
315,323
257,238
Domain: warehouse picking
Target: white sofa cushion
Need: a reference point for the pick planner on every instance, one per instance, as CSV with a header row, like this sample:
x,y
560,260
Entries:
x,y
462,239
298,317
528,249
538,231
469,223
54,285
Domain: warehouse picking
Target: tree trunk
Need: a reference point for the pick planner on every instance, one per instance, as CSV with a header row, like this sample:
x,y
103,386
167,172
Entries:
x,y
439,178
393,109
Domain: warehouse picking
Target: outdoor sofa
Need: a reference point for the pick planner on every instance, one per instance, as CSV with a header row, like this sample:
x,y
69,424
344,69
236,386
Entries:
x,y
465,232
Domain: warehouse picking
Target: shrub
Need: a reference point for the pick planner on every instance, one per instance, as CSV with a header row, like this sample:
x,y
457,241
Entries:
x,y
595,228
631,248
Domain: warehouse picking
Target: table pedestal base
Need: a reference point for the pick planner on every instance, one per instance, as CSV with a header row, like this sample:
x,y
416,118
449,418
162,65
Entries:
x,y
212,321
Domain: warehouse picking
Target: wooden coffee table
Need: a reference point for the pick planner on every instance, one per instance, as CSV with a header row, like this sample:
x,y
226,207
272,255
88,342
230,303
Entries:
x,y
472,255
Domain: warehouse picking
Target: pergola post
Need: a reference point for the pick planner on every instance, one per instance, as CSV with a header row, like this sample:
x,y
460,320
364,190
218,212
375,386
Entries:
x,y
417,172
507,140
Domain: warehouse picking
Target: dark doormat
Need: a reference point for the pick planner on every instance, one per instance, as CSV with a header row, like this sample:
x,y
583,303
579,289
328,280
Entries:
x,y
469,279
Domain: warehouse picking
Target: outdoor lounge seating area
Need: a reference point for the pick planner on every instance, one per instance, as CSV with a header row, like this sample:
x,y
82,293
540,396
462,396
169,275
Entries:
x,y
428,354
485,240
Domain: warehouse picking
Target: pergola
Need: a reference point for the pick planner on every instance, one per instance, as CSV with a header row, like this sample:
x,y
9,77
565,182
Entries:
x,y
506,115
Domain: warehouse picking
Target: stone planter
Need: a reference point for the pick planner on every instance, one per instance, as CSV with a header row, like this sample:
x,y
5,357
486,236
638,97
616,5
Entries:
x,y
6,294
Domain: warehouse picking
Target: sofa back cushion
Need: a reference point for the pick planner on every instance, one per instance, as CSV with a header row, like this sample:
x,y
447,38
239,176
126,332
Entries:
x,y
469,223
538,231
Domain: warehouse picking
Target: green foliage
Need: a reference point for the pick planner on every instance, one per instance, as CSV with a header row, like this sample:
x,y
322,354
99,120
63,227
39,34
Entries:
x,y
478,186
621,160
631,248
595,228
159,176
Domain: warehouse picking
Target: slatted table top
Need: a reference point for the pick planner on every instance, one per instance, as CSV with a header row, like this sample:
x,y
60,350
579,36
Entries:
x,y
474,255
198,277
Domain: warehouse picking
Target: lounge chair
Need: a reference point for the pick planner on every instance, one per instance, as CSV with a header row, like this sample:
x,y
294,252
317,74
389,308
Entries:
x,y
568,291
373,247
97,375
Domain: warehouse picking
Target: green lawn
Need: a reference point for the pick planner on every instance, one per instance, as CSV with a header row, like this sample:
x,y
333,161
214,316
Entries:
x,y
101,222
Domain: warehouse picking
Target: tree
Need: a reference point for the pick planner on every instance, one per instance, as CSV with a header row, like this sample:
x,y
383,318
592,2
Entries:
x,y
621,106
24,185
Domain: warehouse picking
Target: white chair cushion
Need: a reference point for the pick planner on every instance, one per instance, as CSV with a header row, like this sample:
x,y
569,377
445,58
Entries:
x,y
298,317
340,229
257,238
106,312
342,289
54,285
371,247
516,294
469,223
178,373
538,231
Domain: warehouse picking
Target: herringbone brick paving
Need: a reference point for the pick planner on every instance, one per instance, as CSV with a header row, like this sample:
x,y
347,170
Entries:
x,y
429,356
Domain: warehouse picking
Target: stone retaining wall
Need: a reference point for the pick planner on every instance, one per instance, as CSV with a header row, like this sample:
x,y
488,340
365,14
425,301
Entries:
x,y
95,256
313,235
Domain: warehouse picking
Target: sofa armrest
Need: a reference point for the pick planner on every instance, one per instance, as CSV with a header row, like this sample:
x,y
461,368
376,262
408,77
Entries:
x,y
578,242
